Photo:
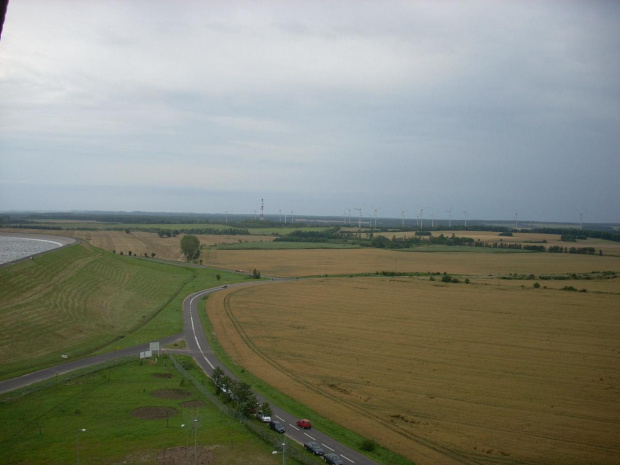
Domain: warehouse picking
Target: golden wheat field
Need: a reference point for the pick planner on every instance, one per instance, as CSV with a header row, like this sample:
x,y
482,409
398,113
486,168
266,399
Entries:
x,y
353,261
486,372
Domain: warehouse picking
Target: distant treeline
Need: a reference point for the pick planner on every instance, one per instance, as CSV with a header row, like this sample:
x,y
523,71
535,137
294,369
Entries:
x,y
573,234
204,231
124,218
327,235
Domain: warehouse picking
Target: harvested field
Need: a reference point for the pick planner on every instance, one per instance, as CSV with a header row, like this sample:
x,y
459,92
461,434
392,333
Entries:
x,y
354,261
441,373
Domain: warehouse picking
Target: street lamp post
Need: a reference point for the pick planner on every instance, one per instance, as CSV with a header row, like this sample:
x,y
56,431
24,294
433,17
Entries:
x,y
195,441
283,452
77,440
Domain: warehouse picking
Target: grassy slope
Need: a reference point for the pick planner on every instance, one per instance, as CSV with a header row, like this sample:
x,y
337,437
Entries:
x,y
79,300
45,424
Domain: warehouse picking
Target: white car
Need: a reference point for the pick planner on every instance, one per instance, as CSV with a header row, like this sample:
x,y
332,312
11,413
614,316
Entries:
x,y
263,418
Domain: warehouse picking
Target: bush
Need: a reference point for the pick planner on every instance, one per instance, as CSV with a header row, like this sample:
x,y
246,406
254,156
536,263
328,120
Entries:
x,y
536,285
368,445
446,278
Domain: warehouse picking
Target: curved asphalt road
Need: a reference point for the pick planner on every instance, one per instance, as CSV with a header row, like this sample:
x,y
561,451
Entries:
x,y
199,348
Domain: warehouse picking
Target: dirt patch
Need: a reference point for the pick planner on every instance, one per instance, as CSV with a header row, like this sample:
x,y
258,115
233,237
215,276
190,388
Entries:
x,y
154,413
192,404
162,375
171,456
172,394
176,456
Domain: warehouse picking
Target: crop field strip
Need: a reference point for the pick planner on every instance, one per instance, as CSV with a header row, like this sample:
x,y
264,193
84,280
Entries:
x,y
454,382
292,263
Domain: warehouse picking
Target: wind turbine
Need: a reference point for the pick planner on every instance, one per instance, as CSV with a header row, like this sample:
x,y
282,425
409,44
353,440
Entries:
x,y
360,220
292,216
580,219
350,215
450,220
432,220
516,216
402,214
280,214
421,217
376,210
465,212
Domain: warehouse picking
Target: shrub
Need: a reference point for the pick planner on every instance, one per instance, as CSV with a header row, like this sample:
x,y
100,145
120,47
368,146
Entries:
x,y
446,278
536,285
368,445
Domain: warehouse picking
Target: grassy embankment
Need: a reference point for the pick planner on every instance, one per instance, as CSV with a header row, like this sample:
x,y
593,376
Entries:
x,y
81,300
43,427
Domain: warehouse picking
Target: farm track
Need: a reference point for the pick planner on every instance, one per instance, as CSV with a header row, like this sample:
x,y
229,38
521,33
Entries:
x,y
456,456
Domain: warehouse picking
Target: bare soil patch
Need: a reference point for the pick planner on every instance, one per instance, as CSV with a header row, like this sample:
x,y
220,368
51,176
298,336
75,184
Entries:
x,y
154,413
172,456
172,394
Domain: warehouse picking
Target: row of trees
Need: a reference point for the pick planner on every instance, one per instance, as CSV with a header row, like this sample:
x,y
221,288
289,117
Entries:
x,y
130,253
239,393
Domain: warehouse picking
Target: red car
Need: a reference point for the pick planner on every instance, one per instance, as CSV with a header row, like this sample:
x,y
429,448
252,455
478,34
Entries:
x,y
305,424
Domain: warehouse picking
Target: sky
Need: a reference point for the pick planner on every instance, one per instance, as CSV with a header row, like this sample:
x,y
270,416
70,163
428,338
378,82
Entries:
x,y
494,108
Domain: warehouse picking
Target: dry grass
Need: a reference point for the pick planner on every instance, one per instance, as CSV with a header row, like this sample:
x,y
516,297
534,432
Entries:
x,y
485,372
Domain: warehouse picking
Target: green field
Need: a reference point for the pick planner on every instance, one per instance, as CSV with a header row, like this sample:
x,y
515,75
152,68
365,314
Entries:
x,y
44,427
81,300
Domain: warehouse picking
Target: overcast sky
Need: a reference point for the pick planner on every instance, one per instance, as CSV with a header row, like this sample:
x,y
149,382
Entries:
x,y
489,107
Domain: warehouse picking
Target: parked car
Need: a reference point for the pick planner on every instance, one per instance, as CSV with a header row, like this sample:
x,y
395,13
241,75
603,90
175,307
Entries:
x,y
333,459
277,426
263,418
314,448
304,423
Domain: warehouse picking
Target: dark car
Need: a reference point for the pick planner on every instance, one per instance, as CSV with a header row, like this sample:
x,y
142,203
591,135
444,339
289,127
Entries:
x,y
304,423
314,448
277,426
333,459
